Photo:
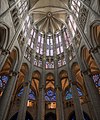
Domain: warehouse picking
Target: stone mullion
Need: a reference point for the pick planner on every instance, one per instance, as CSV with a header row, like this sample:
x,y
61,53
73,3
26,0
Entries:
x,y
59,106
77,105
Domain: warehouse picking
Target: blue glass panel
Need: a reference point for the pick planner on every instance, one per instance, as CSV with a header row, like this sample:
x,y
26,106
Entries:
x,y
69,93
50,93
79,92
1,84
96,79
21,92
47,98
31,95
50,96
3,81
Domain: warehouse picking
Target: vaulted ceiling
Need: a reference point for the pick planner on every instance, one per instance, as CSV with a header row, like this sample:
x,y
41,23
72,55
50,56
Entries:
x,y
48,15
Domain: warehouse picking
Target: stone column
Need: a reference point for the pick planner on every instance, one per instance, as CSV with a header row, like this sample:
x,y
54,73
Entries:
x,y
72,81
8,92
41,104
24,98
92,91
41,100
27,83
59,104
3,56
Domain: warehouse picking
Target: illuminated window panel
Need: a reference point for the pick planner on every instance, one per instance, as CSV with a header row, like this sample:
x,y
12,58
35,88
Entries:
x,y
49,65
96,79
31,95
22,7
3,83
50,96
68,94
72,25
49,46
75,6
59,44
67,38
40,43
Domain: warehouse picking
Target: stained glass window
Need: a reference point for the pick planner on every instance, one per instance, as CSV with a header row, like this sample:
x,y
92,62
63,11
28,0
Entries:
x,y
59,44
96,79
31,96
22,7
40,43
67,38
72,25
75,6
49,64
3,82
68,94
50,96
49,47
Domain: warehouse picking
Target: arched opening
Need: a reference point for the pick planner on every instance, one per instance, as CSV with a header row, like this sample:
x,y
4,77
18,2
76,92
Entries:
x,y
50,116
3,36
6,71
96,34
28,116
73,117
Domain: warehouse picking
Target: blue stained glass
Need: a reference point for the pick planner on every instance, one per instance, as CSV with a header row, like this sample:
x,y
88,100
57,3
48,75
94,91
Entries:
x,y
21,92
79,92
31,95
96,79
50,93
47,98
69,93
50,96
3,81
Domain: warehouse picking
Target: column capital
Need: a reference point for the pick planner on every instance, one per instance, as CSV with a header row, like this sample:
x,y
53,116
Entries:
x,y
73,82
86,72
58,87
95,49
42,87
5,52
26,83
14,73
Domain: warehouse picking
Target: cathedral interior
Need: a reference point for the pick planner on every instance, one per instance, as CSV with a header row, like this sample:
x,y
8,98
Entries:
x,y
49,59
